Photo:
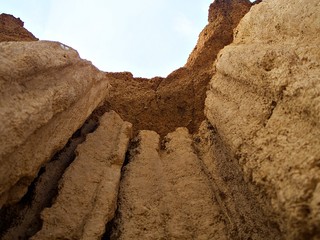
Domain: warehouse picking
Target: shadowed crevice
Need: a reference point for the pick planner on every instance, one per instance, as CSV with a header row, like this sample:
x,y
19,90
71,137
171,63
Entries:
x,y
23,220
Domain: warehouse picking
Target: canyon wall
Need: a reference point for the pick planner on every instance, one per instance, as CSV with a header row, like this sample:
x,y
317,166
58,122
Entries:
x,y
264,103
47,92
11,29
88,190
163,104
226,147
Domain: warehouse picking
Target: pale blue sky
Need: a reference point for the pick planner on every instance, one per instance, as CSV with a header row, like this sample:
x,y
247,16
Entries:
x,y
146,37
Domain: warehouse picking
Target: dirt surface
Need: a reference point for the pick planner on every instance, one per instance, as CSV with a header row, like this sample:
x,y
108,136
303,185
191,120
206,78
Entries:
x,y
11,29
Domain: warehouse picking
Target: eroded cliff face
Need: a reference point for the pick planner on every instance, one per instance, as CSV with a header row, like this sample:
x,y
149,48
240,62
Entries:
x,y
47,92
165,194
11,29
87,197
264,103
163,104
175,189
247,167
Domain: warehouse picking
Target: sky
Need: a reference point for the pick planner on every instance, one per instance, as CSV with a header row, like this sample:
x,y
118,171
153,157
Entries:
x,y
146,37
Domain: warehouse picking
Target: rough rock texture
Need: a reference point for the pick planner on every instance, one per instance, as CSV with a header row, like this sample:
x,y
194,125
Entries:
x,y
22,220
163,104
248,215
251,171
165,194
46,93
11,29
224,16
185,188
264,102
88,191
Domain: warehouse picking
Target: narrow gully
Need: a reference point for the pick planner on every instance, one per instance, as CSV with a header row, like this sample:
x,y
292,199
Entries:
x,y
22,220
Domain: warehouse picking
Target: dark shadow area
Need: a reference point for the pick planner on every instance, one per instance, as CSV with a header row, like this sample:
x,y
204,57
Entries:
x,y
22,220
